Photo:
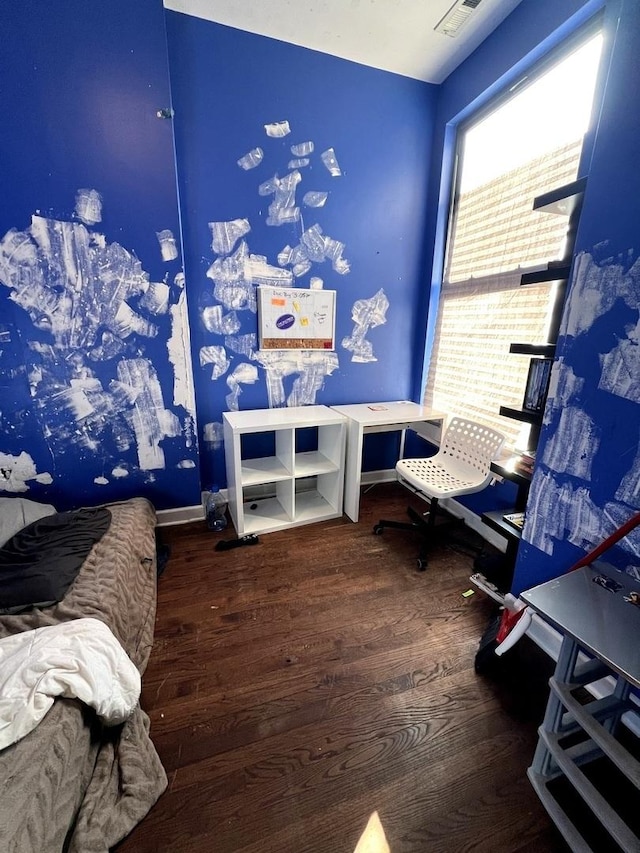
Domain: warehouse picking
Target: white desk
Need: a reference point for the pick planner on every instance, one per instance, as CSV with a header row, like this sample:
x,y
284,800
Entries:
x,y
375,417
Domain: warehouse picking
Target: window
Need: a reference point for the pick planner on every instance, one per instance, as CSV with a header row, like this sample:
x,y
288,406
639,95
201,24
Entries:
x,y
528,145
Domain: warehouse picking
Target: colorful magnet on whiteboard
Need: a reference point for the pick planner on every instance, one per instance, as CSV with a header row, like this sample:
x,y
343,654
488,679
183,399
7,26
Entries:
x,y
296,306
304,321
275,301
286,321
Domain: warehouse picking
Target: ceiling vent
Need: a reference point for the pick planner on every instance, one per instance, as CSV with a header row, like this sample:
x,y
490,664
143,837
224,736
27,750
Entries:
x,y
457,17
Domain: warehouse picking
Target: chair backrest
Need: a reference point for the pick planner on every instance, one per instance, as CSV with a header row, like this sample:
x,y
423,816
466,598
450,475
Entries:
x,y
474,444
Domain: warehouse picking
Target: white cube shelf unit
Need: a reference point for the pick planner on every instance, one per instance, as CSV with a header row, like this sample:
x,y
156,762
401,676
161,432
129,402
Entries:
x,y
300,479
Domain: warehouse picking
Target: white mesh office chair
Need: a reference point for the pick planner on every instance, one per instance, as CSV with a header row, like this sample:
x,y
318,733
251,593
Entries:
x,y
460,467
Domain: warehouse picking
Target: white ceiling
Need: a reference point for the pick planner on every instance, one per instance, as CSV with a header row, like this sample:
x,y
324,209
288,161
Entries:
x,y
393,35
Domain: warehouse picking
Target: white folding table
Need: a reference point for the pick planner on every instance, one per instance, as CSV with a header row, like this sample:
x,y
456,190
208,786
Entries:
x,y
376,417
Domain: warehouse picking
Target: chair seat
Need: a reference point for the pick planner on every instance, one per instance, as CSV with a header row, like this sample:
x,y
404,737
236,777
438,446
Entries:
x,y
432,478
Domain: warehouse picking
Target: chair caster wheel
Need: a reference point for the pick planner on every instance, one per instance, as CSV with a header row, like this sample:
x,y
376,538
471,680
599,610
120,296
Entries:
x,y
422,564
377,529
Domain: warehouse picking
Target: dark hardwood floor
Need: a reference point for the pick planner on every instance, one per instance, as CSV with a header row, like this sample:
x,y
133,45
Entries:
x,y
298,685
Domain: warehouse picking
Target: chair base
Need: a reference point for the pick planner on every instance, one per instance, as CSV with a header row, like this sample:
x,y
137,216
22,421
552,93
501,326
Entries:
x,y
431,528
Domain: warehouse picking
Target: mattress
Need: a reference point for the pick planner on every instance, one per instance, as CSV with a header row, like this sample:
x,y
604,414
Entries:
x,y
72,784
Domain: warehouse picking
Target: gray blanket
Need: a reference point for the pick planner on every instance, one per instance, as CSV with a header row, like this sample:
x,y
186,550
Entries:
x,y
72,784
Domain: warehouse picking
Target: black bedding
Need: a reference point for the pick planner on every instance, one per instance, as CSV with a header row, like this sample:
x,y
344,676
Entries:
x,y
39,563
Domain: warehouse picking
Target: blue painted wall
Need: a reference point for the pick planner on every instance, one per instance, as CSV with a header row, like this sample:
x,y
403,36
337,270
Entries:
x,y
81,84
227,85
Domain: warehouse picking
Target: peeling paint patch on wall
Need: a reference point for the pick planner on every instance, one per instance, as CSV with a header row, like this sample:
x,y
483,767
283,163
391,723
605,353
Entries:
x,y
593,409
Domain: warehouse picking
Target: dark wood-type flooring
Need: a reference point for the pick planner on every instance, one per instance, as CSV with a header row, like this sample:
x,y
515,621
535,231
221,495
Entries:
x,y
297,685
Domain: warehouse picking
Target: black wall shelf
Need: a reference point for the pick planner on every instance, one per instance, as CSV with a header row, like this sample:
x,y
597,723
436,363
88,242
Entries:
x,y
566,201
544,350
550,273
523,415
563,200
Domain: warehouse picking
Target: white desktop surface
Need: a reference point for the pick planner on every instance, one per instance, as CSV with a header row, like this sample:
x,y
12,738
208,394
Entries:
x,y
374,417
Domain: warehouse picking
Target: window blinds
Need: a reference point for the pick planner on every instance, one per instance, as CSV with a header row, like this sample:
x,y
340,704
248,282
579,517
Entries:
x,y
496,237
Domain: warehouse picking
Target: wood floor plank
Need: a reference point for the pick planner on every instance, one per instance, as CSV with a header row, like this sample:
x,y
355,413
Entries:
x,y
299,684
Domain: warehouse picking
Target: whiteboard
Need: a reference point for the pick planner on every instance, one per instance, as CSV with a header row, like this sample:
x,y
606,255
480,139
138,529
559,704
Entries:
x,y
296,318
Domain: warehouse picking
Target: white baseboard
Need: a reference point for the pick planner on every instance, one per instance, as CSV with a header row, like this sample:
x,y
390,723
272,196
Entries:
x,y
180,515
184,515
372,478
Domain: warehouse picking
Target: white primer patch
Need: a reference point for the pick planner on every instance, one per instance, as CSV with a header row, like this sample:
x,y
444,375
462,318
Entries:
x,y
73,285
269,186
300,163
259,272
15,471
315,199
244,374
89,206
302,149
216,356
314,247
251,159
312,367
226,234
621,368
155,299
560,508
81,289
101,481
179,349
580,443
245,345
213,435
629,488
561,511
595,289
277,129
283,208
218,323
119,472
564,386
315,283
186,463
231,288
366,314
150,421
168,245
330,160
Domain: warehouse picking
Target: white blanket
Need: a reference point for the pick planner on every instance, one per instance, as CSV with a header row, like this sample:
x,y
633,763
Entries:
x,y
80,659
